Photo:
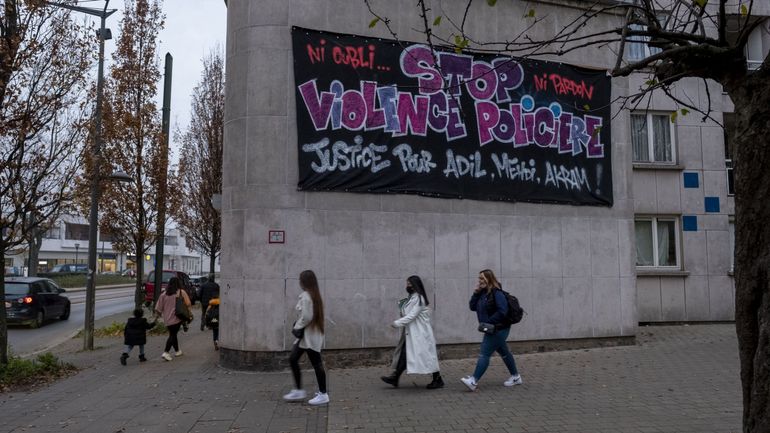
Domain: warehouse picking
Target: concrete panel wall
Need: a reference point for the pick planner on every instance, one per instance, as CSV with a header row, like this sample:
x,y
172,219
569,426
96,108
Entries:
x,y
701,289
571,266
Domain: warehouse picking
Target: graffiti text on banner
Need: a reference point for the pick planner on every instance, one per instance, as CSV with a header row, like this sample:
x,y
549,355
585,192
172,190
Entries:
x,y
378,116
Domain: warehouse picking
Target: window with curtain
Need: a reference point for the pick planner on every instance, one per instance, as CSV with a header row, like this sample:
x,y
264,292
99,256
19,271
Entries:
x,y
755,53
652,138
637,47
656,242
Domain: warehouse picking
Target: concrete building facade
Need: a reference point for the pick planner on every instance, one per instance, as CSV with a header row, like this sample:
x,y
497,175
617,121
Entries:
x,y
661,252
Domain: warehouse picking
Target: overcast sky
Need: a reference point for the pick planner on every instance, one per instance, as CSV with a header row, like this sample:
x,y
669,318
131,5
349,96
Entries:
x,y
192,29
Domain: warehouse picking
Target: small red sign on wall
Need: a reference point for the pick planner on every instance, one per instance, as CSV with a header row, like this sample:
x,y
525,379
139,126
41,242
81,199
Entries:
x,y
276,237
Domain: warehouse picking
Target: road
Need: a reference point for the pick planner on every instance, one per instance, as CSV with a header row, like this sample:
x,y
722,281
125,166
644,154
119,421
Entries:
x,y
26,341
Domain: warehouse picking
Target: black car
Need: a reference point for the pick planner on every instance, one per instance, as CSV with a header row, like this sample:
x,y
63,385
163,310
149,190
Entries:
x,y
33,300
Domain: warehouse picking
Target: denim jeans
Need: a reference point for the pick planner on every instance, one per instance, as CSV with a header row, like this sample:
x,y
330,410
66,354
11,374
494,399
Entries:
x,y
129,347
495,343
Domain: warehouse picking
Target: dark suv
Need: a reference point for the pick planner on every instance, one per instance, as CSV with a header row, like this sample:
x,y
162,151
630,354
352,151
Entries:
x,y
75,268
32,300
187,286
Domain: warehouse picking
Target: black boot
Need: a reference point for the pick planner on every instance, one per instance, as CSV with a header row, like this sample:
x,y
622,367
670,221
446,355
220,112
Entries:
x,y
123,358
142,358
438,382
391,380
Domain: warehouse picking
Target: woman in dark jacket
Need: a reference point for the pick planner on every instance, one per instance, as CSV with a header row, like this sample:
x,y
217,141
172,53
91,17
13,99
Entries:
x,y
490,305
135,334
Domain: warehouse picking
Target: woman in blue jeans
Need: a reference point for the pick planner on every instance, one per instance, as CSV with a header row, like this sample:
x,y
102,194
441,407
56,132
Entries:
x,y
490,305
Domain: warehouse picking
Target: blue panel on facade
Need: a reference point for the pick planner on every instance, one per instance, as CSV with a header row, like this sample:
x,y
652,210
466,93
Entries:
x,y
712,204
690,223
690,180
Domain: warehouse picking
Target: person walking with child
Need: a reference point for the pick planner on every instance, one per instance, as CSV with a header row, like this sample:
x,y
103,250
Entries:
x,y
309,333
416,350
490,304
212,319
167,309
135,334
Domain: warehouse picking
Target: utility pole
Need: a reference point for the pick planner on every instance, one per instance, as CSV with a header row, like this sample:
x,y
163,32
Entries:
x,y
161,224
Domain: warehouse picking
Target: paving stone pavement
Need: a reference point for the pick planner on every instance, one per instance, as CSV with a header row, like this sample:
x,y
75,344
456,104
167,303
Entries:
x,y
676,379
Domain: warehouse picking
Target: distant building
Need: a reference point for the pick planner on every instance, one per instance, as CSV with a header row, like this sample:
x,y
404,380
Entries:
x,y
67,242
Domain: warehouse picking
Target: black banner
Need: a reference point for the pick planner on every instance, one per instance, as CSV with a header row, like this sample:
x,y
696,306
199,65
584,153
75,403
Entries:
x,y
383,116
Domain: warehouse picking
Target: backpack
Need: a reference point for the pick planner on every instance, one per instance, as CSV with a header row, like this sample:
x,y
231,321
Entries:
x,y
212,316
515,312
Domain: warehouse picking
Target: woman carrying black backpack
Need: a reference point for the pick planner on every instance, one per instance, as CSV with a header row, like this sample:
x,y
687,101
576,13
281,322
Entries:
x,y
491,307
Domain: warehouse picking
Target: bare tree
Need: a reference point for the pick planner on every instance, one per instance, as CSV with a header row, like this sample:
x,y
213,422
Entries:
x,y
43,54
700,39
199,175
133,134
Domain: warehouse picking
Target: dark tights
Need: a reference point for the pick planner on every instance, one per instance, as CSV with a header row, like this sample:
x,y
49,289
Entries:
x,y
172,341
315,361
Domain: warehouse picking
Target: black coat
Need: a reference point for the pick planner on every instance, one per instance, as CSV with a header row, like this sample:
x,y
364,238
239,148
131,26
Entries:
x,y
136,331
209,291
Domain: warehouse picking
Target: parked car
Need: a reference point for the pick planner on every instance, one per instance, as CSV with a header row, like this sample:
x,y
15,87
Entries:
x,y
33,300
196,281
187,286
76,268
129,273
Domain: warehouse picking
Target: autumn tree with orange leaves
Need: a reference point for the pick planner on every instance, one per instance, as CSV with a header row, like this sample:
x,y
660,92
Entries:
x,y
132,135
43,56
199,175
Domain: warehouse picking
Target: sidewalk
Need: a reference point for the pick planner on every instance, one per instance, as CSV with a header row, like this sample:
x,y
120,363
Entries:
x,y
676,379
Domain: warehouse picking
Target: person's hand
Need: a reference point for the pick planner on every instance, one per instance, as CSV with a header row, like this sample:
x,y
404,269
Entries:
x,y
478,288
393,325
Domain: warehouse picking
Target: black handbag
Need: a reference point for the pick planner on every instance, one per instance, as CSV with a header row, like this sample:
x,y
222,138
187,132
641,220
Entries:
x,y
299,333
487,328
181,311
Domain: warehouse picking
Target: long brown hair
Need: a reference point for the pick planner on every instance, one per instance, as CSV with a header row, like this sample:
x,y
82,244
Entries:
x,y
309,283
173,286
491,279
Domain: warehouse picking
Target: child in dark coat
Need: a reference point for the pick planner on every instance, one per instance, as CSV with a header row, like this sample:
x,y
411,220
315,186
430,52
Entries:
x,y
135,334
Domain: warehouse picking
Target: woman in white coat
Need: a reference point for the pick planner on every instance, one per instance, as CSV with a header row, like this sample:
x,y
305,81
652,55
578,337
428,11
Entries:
x,y
416,350
309,333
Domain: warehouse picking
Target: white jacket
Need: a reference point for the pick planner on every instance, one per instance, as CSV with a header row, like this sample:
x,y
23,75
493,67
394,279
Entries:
x,y
313,338
420,344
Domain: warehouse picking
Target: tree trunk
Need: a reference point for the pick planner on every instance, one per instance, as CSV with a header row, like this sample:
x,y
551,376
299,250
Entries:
x,y
752,254
36,242
212,263
3,322
139,295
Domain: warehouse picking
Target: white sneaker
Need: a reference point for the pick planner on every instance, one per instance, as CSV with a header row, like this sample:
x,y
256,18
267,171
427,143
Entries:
x,y
470,382
320,398
179,353
295,395
513,380
166,356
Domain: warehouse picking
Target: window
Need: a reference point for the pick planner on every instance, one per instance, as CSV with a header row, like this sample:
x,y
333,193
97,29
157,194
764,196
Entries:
x,y
657,242
637,47
171,241
731,229
652,138
753,50
729,130
78,232
53,232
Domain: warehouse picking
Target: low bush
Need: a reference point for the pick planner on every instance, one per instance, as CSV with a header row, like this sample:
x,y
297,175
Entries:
x,y
79,280
20,374
115,329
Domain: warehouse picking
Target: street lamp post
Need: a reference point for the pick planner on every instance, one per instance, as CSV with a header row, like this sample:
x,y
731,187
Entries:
x,y
77,249
93,220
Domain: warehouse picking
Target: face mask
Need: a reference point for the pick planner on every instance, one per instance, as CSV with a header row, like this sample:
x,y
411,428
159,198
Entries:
x,y
409,290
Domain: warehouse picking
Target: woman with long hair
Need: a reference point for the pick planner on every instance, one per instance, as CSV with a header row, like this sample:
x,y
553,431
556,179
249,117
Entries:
x,y
416,350
491,306
166,308
309,333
